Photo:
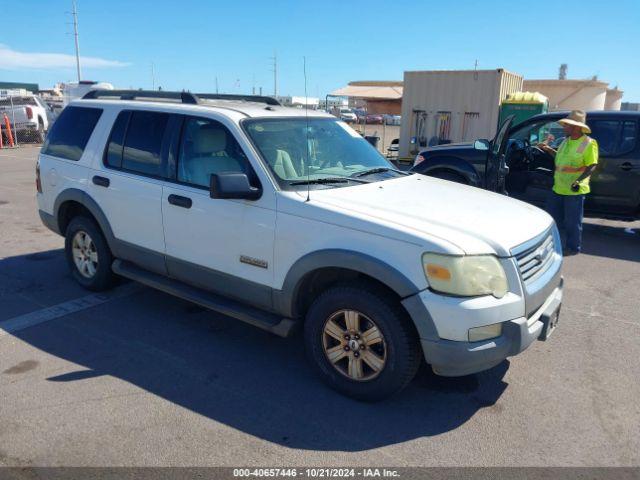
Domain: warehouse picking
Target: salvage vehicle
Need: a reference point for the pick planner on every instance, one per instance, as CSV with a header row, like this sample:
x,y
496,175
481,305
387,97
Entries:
x,y
289,220
29,116
512,163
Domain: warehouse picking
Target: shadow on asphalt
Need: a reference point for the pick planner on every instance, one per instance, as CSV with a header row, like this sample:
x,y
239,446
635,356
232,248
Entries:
x,y
612,242
235,374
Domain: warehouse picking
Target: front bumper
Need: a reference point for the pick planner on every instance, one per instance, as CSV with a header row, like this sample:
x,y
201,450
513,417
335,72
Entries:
x,y
456,358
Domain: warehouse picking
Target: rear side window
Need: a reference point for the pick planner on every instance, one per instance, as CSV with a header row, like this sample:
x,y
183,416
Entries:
x,y
70,133
113,154
143,142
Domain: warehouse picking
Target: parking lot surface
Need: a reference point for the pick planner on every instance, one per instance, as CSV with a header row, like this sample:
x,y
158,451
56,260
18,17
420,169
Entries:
x,y
137,377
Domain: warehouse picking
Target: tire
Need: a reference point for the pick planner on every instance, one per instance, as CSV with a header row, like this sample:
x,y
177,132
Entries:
x,y
450,176
398,348
94,273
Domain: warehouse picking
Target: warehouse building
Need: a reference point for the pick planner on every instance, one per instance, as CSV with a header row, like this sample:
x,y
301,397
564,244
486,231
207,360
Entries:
x,y
445,106
376,97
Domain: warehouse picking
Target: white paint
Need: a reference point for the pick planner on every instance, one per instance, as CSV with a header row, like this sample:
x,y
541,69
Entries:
x,y
53,312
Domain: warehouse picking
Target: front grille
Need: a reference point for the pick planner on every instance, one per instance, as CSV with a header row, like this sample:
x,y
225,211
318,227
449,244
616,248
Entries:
x,y
535,260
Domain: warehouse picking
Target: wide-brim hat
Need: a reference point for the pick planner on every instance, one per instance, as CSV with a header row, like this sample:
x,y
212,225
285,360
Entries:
x,y
578,119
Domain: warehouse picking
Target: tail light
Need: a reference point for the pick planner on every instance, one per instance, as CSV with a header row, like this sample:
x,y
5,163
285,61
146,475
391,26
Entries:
x,y
29,112
419,159
38,183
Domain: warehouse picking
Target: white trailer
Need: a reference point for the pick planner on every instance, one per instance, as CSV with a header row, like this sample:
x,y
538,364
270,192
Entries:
x,y
449,106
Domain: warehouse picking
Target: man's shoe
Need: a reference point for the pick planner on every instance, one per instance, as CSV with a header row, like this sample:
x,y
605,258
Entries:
x,y
568,252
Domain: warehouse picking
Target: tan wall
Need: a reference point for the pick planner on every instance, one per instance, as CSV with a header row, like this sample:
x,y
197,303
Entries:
x,y
390,107
613,100
456,92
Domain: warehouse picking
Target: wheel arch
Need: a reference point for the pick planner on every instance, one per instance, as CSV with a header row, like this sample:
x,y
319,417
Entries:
x,y
456,165
318,270
72,202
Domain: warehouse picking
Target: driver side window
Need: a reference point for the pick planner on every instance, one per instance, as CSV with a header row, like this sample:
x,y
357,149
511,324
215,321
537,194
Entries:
x,y
208,147
539,132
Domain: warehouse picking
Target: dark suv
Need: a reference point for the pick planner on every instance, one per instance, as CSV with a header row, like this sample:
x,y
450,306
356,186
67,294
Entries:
x,y
512,163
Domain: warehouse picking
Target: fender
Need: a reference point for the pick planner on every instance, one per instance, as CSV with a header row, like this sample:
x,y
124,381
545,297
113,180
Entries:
x,y
285,300
455,164
76,195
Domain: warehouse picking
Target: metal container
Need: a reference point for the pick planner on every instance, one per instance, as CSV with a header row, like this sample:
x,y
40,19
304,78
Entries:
x,y
446,106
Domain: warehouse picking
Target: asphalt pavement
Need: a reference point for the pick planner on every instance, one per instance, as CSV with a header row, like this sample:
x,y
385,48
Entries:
x,y
135,377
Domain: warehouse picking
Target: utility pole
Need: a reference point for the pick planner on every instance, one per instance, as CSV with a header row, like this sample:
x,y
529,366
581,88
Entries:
x,y
153,77
216,85
275,74
75,34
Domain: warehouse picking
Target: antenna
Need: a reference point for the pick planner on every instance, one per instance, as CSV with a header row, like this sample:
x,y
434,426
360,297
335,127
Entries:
x,y
306,117
74,13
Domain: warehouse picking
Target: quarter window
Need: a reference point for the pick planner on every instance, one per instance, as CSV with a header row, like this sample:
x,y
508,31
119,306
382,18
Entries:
x,y
207,147
113,154
70,133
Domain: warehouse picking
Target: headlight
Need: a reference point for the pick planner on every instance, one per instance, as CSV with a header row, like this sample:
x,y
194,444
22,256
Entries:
x,y
466,276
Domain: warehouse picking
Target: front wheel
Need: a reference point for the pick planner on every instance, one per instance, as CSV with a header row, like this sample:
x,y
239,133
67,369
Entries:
x,y
361,343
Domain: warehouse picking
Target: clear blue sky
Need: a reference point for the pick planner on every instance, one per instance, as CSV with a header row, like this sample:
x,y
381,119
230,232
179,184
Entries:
x,y
190,42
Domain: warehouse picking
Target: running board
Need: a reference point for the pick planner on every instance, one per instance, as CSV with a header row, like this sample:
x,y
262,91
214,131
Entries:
x,y
280,326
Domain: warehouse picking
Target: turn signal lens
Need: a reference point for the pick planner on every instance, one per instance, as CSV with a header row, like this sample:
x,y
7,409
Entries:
x,y
438,271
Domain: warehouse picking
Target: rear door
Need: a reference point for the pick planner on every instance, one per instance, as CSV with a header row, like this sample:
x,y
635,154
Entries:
x,y
615,184
497,169
128,183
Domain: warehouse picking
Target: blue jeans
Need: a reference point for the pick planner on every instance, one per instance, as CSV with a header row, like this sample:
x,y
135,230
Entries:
x,y
567,211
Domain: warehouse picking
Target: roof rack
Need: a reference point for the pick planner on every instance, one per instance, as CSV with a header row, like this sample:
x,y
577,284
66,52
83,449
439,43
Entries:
x,y
244,98
184,97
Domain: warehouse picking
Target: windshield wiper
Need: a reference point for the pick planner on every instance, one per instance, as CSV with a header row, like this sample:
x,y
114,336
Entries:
x,y
320,181
371,171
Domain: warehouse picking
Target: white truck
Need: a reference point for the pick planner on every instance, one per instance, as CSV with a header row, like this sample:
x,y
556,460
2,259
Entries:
x,y
29,117
289,220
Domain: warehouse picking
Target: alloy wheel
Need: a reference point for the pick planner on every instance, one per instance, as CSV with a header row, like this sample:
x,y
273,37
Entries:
x,y
85,255
354,345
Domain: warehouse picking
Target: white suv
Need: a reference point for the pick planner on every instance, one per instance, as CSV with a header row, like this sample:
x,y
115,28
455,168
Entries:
x,y
282,218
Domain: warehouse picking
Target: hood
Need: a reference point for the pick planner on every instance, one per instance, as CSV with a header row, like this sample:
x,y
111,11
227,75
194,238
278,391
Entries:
x,y
474,220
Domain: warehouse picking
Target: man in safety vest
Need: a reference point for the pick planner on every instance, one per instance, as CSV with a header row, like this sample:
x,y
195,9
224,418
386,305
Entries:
x,y
575,161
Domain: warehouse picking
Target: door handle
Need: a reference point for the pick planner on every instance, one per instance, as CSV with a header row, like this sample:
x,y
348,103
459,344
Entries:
x,y
626,166
179,201
101,181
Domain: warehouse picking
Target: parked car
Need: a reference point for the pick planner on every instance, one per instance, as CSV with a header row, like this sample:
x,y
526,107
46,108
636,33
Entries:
x,y
345,114
373,119
392,119
29,116
284,219
512,163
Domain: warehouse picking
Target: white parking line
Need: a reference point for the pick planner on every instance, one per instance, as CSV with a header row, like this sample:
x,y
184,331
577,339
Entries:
x,y
30,319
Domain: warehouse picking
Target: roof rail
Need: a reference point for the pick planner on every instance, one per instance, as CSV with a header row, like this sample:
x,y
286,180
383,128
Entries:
x,y
244,98
184,97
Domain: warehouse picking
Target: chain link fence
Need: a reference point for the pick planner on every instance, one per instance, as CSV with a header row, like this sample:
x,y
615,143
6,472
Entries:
x,y
24,120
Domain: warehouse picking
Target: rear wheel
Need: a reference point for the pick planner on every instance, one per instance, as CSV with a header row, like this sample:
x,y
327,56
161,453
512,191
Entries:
x,y
360,342
88,254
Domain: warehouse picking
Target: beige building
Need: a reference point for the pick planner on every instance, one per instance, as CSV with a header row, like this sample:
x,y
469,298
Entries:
x,y
377,97
577,94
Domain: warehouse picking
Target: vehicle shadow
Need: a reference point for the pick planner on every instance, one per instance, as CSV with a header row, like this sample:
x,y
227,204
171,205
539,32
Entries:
x,y
611,241
240,376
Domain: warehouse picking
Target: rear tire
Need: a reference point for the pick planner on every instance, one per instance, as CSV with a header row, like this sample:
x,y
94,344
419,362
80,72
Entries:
x,y
88,254
360,342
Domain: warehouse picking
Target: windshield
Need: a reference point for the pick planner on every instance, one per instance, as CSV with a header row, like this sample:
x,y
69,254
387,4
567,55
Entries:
x,y
297,150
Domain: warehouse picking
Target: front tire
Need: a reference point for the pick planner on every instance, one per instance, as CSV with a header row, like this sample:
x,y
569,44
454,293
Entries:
x,y
88,254
361,343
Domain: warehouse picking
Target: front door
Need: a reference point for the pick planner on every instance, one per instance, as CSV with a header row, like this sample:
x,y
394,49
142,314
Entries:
x,y
225,246
497,169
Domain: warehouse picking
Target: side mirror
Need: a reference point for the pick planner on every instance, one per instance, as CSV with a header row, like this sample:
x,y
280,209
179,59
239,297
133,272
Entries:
x,y
233,185
481,144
